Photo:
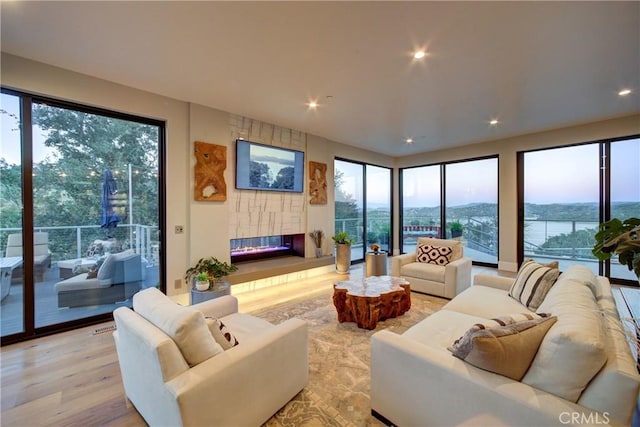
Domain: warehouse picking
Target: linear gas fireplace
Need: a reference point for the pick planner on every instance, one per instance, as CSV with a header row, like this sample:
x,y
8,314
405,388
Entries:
x,y
256,248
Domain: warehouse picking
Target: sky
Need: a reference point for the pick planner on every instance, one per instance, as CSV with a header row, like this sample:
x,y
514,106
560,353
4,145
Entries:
x,y
10,142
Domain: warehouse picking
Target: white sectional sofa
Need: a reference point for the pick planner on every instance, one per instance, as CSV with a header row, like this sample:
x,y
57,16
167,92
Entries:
x,y
583,371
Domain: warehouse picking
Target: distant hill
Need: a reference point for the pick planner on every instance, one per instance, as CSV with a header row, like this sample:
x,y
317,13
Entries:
x,y
554,211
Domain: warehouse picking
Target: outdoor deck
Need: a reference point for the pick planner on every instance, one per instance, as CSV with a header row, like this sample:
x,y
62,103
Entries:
x,y
46,303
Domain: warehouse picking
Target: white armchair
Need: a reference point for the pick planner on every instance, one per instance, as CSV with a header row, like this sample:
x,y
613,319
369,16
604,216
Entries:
x,y
242,386
445,280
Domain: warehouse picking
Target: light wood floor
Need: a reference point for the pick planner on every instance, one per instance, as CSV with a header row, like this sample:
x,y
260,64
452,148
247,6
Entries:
x,y
73,378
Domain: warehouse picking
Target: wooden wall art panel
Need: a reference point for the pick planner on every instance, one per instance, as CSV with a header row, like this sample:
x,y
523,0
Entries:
x,y
211,161
317,183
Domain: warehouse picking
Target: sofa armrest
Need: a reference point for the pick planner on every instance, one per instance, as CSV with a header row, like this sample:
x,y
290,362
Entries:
x,y
218,307
252,369
457,277
399,260
417,384
492,281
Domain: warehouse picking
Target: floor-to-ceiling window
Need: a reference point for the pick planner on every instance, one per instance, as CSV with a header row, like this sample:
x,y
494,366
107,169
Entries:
x,y
420,201
567,191
92,212
378,190
471,207
624,190
363,205
457,200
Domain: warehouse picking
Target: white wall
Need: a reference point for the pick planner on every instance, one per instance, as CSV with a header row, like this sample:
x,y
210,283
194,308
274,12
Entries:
x,y
207,224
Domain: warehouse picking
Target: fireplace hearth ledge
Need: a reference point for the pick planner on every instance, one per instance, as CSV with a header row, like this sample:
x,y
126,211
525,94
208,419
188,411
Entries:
x,y
262,269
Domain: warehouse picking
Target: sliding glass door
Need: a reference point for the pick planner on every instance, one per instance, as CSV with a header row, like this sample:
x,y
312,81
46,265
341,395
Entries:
x,y
363,205
92,216
567,191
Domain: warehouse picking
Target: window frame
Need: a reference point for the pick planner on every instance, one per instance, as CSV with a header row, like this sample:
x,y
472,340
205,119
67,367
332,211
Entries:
x,y
27,100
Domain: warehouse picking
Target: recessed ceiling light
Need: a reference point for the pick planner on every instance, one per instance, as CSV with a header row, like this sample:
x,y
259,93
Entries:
x,y
624,92
408,141
313,104
493,122
419,54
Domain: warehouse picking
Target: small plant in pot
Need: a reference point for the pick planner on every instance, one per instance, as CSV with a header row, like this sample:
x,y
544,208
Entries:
x,y
456,229
343,251
202,282
213,268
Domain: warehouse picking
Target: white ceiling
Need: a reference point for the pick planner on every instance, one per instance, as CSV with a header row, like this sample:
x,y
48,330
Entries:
x,y
532,65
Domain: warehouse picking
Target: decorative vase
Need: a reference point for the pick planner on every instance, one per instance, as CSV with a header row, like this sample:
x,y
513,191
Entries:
x,y
343,258
318,252
202,286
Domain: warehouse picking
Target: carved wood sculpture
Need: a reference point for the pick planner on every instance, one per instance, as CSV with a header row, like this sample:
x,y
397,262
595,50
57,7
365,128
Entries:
x,y
211,161
317,183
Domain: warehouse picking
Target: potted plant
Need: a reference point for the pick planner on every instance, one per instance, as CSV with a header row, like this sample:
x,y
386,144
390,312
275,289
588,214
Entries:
x,y
456,229
620,238
316,238
202,281
213,268
343,251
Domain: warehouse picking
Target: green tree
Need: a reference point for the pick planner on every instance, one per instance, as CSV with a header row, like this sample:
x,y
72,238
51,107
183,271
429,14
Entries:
x,y
67,184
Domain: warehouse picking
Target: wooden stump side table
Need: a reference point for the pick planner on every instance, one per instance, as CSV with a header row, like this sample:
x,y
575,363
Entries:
x,y
372,299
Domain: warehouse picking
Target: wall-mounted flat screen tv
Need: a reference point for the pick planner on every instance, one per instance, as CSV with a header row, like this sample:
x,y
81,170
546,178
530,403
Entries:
x,y
264,167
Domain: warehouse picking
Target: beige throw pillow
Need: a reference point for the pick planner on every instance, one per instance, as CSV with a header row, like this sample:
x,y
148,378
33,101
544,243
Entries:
x,y
506,350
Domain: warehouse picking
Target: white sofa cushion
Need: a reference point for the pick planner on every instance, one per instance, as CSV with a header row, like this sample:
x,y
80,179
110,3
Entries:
x,y
532,283
506,349
486,302
583,274
423,270
573,351
442,328
185,325
246,327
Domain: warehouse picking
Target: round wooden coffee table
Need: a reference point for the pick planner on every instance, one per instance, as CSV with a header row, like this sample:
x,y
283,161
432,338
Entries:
x,y
368,300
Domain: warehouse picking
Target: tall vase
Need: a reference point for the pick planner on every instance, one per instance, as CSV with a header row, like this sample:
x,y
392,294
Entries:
x,y
318,252
343,258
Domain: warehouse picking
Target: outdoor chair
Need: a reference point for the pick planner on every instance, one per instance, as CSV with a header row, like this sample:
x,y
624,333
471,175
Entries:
x,y
42,255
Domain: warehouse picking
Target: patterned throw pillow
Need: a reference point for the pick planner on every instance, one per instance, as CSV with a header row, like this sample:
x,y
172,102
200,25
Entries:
x,y
221,333
532,283
439,255
509,319
506,350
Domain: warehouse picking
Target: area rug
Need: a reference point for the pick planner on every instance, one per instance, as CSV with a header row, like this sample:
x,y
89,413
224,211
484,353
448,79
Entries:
x,y
339,360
